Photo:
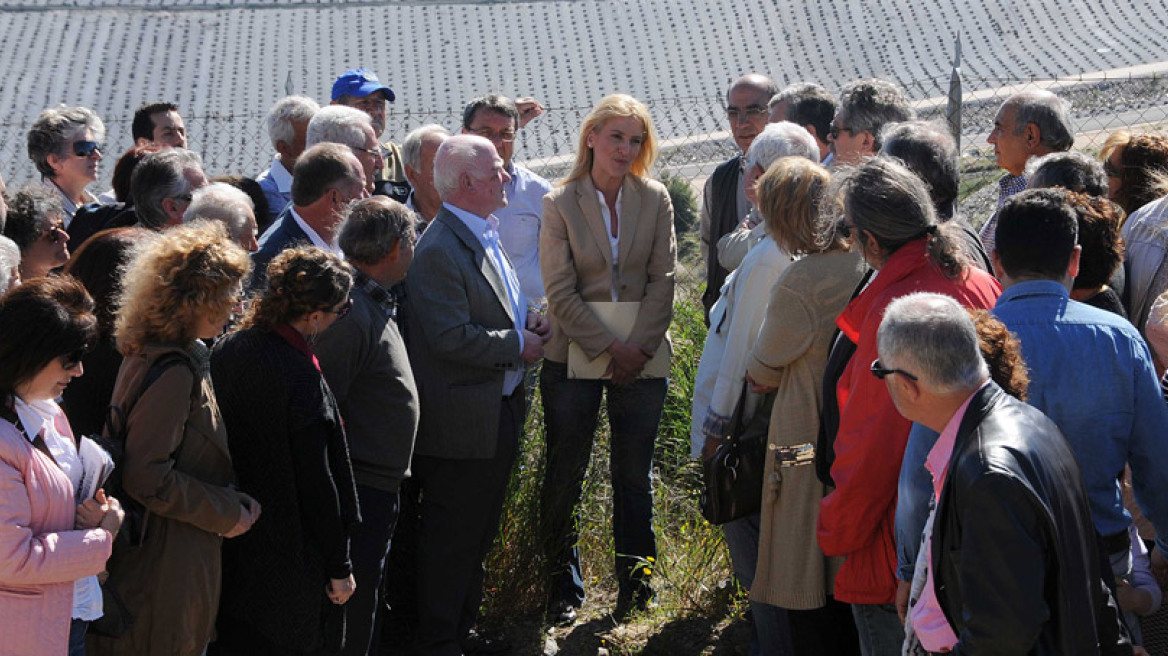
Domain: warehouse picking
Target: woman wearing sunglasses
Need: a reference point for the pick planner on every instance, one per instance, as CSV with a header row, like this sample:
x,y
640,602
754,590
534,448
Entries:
x,y
35,223
52,548
65,145
285,584
179,288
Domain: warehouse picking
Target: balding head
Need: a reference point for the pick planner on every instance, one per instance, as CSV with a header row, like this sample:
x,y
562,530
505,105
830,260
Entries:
x,y
469,174
746,107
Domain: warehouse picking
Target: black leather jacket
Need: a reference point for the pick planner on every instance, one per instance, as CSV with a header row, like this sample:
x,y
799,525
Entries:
x,y
1014,557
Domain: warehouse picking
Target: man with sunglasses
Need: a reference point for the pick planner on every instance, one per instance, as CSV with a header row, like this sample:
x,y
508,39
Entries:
x,y
1009,565
724,203
865,107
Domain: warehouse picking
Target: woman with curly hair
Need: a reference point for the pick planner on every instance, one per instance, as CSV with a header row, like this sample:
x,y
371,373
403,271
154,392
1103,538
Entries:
x,y
286,582
35,224
179,288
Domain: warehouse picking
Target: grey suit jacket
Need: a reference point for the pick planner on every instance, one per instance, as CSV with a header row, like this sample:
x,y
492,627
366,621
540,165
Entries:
x,y
462,341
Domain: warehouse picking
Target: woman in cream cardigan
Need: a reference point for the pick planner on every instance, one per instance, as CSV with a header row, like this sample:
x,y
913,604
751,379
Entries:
x,y
788,359
607,236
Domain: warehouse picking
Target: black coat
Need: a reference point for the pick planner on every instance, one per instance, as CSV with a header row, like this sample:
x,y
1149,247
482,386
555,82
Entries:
x,y
1014,557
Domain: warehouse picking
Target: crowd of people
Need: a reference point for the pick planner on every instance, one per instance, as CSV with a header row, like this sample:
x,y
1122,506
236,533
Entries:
x,y
304,392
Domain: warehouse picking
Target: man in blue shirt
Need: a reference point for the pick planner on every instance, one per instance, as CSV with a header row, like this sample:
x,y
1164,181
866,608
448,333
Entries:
x,y
497,119
1090,371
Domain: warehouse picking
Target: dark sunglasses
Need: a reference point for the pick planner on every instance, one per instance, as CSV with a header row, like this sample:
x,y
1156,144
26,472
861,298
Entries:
x,y
344,309
835,130
73,359
882,373
56,233
86,148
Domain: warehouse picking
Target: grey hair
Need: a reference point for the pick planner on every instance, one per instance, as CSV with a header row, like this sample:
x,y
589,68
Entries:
x,y
55,129
455,157
1051,114
411,147
286,111
869,105
338,124
928,150
372,228
9,260
160,176
1071,170
932,337
782,139
31,211
220,201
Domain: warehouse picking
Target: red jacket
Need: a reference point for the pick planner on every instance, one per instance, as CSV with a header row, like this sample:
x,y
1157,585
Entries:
x,y
857,518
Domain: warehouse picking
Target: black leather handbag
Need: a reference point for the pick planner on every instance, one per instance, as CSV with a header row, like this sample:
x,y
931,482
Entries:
x,y
733,477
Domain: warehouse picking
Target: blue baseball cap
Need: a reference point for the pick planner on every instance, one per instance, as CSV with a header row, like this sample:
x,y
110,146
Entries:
x,y
359,82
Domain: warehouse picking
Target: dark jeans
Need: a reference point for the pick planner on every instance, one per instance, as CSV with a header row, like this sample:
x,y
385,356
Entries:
x,y
461,504
77,629
879,629
571,409
827,630
369,546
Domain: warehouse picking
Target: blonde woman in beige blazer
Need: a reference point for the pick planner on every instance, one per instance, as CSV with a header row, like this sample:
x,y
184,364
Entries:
x,y
607,235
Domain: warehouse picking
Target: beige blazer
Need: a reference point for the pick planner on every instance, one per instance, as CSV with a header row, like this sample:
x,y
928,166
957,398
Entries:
x,y
576,262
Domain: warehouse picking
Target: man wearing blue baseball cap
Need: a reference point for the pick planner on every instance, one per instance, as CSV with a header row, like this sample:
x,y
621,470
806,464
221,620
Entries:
x,y
360,88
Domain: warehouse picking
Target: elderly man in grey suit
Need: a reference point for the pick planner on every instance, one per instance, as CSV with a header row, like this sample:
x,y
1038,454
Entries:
x,y
472,337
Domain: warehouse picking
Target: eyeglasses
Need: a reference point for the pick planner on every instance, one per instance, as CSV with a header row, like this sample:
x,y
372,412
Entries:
x,y
835,130
880,372
86,148
1110,170
55,233
370,151
344,309
73,359
750,113
184,197
506,136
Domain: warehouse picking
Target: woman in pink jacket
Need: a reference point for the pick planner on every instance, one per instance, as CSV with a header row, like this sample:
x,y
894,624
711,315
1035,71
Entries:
x,y
49,544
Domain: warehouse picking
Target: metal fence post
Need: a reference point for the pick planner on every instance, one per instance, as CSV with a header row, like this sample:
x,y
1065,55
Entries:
x,y
953,114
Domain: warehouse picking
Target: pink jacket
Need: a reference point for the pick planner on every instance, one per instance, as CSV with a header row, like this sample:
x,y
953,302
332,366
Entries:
x,y
40,555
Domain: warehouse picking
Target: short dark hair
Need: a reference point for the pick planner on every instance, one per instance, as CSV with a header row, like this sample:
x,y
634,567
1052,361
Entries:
x,y
1099,221
1036,234
1071,170
159,176
372,228
143,125
809,104
319,169
42,319
29,212
494,103
929,151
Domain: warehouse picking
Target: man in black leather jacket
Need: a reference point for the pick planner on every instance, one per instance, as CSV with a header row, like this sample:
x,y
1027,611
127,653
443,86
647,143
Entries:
x,y
1013,564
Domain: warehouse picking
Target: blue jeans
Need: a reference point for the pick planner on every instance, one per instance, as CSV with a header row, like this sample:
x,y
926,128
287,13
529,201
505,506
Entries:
x,y
571,410
880,630
77,629
369,547
772,633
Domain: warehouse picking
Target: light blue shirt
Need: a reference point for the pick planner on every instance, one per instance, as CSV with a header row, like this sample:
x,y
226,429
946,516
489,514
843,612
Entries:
x,y
488,236
519,228
277,185
1092,374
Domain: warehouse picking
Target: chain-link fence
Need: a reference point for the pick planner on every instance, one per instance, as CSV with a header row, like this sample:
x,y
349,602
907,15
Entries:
x,y
693,131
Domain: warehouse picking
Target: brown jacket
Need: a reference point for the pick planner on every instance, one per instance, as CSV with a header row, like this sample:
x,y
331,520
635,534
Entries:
x,y
576,262
177,465
791,354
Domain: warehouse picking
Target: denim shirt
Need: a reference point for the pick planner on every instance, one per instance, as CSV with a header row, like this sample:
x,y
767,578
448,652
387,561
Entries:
x,y
1092,374
913,499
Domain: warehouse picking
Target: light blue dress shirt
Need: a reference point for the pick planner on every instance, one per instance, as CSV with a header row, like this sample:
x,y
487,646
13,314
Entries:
x,y
1092,373
519,224
486,230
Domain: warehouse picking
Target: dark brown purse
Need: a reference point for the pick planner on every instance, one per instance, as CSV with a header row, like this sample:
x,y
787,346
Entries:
x,y
733,477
